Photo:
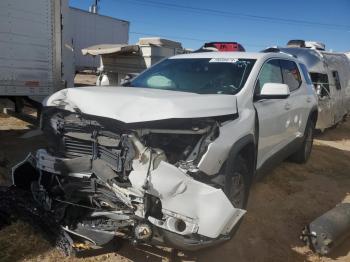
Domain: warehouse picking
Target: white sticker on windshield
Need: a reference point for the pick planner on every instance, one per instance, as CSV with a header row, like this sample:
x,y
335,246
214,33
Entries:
x,y
223,60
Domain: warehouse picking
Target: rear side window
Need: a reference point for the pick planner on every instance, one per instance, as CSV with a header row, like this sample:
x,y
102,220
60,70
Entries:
x,y
305,74
270,73
291,75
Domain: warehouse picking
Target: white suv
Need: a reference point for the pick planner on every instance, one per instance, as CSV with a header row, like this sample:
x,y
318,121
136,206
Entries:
x,y
170,157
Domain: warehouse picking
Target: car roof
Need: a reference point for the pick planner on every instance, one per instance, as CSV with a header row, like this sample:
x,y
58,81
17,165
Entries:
x,y
242,55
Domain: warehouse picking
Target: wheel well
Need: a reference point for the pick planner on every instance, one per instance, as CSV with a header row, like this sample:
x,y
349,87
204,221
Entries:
x,y
246,148
248,153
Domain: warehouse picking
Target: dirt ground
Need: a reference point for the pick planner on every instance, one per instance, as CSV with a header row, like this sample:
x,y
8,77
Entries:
x,y
280,205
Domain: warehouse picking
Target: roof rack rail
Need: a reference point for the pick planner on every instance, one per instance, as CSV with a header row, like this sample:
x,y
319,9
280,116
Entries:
x,y
276,50
271,50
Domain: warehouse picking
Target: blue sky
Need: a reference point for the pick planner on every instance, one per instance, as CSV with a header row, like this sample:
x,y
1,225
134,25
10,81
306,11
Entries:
x,y
228,20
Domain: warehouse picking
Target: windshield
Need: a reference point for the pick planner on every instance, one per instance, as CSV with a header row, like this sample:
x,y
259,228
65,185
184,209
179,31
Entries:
x,y
202,76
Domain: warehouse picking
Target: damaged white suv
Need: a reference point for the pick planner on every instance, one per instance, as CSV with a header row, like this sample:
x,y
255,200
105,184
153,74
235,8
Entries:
x,y
169,158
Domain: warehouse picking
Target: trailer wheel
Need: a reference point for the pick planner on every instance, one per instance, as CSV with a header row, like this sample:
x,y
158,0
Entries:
x,y
19,105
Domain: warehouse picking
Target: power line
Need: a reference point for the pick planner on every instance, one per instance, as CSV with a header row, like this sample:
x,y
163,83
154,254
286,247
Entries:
x,y
197,29
228,35
241,15
222,12
188,38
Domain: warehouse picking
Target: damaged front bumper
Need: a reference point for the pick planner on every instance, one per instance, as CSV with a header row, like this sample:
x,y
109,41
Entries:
x,y
193,214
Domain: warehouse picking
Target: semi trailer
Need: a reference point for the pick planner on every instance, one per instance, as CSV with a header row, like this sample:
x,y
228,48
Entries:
x,y
36,54
40,46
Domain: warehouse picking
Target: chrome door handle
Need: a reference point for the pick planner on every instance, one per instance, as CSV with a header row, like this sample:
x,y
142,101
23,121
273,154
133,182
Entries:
x,y
308,99
287,106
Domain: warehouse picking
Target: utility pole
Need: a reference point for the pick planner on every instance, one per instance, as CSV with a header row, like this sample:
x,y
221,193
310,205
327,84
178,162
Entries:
x,y
94,7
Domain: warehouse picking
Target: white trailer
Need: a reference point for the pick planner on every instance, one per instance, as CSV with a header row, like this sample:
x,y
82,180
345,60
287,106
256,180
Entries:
x,y
35,53
118,60
89,29
330,74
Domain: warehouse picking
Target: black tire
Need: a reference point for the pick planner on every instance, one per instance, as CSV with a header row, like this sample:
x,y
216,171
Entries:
x,y
237,171
237,182
302,155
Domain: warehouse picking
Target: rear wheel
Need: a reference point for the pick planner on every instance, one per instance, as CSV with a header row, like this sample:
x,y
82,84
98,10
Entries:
x,y
303,153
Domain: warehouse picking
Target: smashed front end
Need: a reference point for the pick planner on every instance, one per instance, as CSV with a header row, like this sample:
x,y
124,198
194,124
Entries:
x,y
101,177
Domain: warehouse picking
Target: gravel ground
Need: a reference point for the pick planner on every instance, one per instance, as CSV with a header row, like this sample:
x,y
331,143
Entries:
x,y
280,205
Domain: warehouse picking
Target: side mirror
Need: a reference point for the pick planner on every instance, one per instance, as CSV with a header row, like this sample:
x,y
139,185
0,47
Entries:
x,y
274,91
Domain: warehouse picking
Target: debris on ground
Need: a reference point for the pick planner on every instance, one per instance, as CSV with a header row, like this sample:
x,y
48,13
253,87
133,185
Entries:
x,y
17,242
17,205
328,231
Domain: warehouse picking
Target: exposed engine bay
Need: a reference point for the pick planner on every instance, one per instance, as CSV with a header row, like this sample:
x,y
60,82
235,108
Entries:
x,y
101,177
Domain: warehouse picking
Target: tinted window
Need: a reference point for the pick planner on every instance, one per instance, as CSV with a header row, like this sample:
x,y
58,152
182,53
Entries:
x,y
200,75
270,73
306,74
291,75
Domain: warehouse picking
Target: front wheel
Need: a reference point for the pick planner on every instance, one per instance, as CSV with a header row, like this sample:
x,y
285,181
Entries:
x,y
303,153
237,185
237,182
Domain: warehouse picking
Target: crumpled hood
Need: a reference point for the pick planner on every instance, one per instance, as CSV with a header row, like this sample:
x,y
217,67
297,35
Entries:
x,y
132,105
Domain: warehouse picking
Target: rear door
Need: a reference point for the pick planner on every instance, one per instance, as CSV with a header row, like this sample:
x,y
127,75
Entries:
x,y
297,101
273,114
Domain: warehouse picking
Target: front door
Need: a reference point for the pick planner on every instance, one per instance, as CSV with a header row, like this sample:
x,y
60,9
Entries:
x,y
273,114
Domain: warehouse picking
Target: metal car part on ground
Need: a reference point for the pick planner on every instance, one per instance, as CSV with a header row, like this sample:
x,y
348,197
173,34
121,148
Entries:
x,y
328,231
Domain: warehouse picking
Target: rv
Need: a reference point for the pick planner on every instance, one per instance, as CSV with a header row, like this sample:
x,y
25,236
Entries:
x,y
330,74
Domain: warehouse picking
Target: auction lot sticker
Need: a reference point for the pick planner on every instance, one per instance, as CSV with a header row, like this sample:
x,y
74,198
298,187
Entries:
x,y
223,60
